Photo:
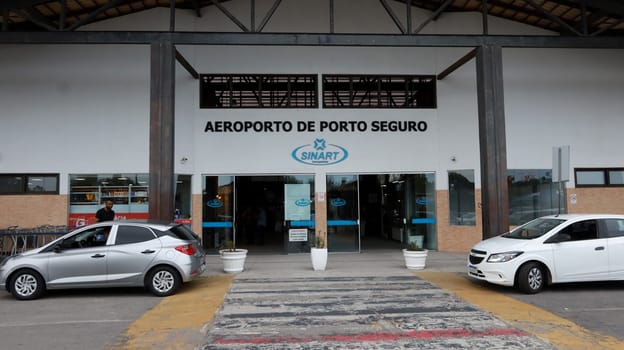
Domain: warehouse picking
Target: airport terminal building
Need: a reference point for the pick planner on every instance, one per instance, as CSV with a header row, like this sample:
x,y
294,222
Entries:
x,y
274,141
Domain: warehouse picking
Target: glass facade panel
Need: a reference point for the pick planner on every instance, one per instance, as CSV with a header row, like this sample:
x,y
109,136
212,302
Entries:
x,y
299,213
590,177
420,209
37,183
342,213
462,197
88,192
217,211
616,177
11,184
532,194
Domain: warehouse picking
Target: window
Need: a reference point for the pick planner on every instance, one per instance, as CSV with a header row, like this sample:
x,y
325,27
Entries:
x,y
258,91
599,177
93,237
581,231
532,194
29,184
379,91
133,234
614,227
462,197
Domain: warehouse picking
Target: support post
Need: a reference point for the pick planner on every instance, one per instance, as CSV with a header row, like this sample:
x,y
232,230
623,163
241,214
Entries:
x,y
161,140
492,141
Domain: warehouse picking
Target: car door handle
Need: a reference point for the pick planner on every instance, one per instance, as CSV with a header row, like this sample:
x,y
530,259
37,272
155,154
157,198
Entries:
x,y
599,248
148,251
98,256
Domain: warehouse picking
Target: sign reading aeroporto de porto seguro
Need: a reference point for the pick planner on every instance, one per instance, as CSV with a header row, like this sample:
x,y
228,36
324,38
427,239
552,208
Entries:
x,y
318,142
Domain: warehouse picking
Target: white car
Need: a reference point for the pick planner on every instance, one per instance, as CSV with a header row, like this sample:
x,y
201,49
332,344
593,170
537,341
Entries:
x,y
552,249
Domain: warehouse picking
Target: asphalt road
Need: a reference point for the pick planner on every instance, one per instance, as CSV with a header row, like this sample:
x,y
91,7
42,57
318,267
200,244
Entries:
x,y
99,319
71,320
597,306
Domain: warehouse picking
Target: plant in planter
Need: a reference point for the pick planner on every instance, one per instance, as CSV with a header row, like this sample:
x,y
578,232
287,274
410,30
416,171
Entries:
x,y
233,258
415,256
318,253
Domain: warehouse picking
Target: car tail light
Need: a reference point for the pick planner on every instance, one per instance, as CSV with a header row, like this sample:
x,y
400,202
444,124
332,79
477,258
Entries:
x,y
187,249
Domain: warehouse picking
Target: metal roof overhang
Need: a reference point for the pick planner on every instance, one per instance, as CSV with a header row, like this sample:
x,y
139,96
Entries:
x,y
309,39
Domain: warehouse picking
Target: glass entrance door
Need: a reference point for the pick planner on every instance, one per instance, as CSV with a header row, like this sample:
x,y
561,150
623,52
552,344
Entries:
x,y
254,212
217,211
299,213
397,209
343,231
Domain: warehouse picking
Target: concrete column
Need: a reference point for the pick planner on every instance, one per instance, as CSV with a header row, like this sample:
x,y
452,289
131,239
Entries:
x,y
320,217
162,102
492,141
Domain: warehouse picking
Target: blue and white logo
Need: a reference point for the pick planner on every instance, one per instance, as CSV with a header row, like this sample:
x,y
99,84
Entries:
x,y
320,153
422,201
338,202
302,202
214,203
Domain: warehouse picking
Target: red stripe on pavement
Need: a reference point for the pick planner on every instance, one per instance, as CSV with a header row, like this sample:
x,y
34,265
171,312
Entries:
x,y
381,336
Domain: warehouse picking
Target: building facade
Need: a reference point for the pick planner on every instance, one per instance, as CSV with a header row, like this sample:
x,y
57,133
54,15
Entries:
x,y
275,142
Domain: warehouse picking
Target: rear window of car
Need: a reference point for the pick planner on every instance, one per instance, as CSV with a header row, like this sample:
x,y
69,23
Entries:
x,y
133,234
615,227
181,232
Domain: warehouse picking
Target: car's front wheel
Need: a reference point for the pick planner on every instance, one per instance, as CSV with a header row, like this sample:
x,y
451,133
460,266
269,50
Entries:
x,y
531,278
163,281
26,284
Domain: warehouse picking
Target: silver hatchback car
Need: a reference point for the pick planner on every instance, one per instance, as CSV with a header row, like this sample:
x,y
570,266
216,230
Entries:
x,y
109,254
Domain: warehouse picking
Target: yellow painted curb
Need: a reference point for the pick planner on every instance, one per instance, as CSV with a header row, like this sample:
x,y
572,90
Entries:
x,y
177,321
558,331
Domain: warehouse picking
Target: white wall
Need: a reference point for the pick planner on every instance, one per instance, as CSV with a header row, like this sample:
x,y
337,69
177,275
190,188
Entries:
x,y
74,109
85,109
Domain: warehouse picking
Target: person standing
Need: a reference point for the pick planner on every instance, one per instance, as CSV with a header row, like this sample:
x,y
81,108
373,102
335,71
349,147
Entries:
x,y
107,213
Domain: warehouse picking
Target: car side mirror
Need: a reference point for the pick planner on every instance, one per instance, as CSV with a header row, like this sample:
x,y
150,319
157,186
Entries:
x,y
58,248
559,237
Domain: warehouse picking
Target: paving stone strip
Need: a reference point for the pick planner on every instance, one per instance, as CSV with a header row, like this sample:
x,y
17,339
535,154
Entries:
x,y
390,312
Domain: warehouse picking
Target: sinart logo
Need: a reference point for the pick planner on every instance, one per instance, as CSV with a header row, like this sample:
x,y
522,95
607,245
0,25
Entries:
x,y
302,202
214,203
338,202
320,153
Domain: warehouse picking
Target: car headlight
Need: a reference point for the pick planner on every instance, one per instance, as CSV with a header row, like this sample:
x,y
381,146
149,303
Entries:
x,y
503,257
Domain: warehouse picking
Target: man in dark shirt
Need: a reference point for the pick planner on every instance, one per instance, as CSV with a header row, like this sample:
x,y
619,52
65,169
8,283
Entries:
x,y
107,213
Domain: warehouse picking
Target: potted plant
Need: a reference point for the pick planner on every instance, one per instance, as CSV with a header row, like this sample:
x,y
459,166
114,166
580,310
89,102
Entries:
x,y
233,258
318,252
415,256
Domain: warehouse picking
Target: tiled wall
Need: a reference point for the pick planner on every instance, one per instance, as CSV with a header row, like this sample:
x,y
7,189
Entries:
x,y
456,238
596,200
33,210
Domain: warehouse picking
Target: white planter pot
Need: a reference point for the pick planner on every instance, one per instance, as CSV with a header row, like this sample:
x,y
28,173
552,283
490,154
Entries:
x,y
233,262
415,260
319,258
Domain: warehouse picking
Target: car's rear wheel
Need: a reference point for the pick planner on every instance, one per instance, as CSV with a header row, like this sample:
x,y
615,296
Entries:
x,y
26,284
531,278
163,281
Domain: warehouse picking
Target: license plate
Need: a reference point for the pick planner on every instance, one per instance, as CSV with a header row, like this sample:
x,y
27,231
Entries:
x,y
472,269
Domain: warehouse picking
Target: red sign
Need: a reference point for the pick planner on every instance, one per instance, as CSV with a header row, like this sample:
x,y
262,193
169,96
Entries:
x,y
78,220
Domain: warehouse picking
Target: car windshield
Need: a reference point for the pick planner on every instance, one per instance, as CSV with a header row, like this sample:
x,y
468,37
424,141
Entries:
x,y
533,229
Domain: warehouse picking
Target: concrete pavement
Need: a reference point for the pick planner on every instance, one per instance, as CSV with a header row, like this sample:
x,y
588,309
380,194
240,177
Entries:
x,y
364,301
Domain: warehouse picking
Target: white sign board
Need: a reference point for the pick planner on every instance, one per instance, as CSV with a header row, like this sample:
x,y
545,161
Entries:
x,y
298,235
297,197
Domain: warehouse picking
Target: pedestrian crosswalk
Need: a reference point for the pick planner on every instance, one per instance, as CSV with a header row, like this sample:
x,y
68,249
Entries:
x,y
377,312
